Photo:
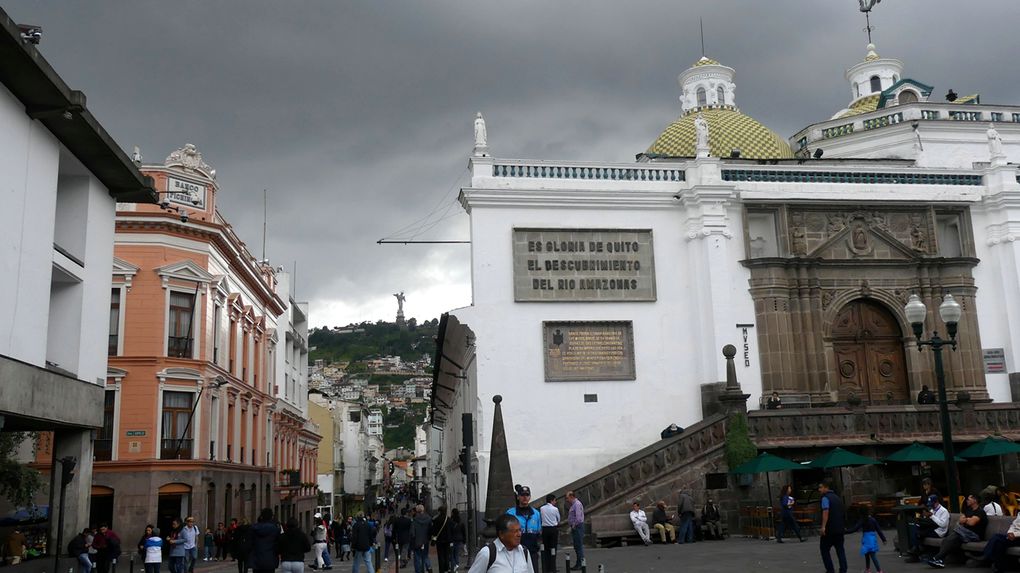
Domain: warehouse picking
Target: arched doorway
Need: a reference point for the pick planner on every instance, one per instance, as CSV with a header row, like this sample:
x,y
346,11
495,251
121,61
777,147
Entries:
x,y
868,345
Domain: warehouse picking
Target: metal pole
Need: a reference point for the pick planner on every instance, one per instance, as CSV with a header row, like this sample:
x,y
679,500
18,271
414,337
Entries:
x,y
60,523
947,430
471,523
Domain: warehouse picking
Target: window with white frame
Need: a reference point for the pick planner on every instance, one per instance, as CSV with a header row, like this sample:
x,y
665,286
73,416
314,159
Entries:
x,y
113,347
180,342
176,440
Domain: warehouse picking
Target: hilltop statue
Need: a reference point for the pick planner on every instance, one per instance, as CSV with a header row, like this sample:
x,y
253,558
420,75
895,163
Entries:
x,y
701,126
867,5
481,138
400,307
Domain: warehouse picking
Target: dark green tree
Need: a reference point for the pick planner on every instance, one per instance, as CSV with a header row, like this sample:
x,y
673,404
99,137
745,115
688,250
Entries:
x,y
18,482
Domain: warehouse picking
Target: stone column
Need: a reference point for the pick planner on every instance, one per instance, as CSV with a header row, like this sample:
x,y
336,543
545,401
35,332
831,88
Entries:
x,y
499,494
75,443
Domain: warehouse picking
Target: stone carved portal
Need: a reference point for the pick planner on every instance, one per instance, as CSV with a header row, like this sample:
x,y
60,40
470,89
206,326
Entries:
x,y
868,346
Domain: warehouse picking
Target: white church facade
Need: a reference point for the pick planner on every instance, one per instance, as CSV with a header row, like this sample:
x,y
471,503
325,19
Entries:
x,y
603,293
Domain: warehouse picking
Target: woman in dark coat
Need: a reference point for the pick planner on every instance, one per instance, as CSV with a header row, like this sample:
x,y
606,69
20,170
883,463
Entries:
x,y
240,545
265,536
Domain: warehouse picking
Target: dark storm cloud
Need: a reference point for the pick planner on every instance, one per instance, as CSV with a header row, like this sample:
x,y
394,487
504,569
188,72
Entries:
x,y
357,116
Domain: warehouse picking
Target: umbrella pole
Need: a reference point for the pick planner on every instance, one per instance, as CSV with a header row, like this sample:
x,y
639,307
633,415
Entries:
x,y
768,510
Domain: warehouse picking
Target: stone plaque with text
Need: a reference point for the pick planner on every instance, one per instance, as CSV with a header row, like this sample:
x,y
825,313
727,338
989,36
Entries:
x,y
583,265
579,350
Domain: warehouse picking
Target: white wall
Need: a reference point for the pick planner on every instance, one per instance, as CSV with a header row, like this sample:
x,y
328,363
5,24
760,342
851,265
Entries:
x,y
49,197
701,292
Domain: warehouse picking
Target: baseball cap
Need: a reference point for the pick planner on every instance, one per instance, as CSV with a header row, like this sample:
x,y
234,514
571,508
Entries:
x,y
523,490
931,500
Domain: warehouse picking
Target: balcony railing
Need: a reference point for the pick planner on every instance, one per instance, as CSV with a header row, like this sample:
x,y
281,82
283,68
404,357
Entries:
x,y
175,449
178,346
103,450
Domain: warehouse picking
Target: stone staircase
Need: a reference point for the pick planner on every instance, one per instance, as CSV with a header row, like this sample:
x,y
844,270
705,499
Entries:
x,y
655,472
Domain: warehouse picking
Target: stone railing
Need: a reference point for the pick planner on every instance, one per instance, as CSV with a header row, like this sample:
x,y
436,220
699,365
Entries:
x,y
778,175
895,114
586,172
880,424
611,488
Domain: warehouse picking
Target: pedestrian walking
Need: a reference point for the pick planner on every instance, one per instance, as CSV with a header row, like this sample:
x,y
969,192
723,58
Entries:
x,y
402,535
320,544
220,538
871,532
786,519
175,540
458,536
293,546
505,554
345,539
388,537
362,538
208,545
152,549
190,533
145,537
265,537
421,529
323,524
833,526
441,538
575,519
240,545
685,508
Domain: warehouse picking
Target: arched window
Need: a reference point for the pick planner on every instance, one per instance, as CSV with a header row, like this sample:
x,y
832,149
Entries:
x,y
876,84
908,96
702,97
720,93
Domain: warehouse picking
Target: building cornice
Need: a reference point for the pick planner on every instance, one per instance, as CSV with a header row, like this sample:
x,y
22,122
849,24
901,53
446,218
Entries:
x,y
213,233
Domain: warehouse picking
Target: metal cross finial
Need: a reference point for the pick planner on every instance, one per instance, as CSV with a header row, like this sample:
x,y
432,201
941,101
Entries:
x,y
701,23
866,6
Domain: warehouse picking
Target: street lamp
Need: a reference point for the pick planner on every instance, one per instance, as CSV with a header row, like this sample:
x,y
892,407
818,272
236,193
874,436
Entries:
x,y
950,312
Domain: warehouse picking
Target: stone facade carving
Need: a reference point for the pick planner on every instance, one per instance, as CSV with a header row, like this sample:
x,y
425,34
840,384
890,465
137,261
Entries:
x,y
188,157
839,260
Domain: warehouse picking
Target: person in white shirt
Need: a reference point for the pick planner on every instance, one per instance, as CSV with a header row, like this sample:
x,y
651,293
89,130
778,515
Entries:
x,y
190,534
991,506
640,521
505,553
550,514
934,524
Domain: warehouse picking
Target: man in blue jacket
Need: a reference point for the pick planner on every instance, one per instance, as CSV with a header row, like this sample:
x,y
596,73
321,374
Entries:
x,y
530,520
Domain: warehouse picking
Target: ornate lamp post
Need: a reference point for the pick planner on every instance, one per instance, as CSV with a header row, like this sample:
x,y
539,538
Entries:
x,y
950,312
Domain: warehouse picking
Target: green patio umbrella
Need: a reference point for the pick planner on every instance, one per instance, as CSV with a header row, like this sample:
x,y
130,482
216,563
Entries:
x,y
990,446
765,463
918,452
840,458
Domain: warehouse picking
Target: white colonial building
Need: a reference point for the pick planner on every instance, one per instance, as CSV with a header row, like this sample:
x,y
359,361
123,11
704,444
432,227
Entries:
x,y
604,292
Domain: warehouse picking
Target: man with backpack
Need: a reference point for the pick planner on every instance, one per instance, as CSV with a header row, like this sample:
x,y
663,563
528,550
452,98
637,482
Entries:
x,y
505,554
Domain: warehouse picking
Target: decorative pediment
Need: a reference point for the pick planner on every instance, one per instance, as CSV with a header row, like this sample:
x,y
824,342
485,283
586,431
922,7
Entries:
x,y
861,234
178,373
115,374
859,239
125,270
185,270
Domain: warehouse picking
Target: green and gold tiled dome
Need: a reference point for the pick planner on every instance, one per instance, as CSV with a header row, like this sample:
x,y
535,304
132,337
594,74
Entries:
x,y
728,129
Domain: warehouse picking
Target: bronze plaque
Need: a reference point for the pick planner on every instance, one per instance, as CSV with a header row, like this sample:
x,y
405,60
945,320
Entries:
x,y
588,350
583,265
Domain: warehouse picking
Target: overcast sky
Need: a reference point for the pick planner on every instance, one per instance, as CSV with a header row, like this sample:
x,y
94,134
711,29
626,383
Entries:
x,y
357,116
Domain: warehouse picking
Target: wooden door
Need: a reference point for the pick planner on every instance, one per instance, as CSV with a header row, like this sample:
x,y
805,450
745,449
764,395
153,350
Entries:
x,y
868,345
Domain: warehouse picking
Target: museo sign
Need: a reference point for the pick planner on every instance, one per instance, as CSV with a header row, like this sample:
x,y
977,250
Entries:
x,y
583,265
